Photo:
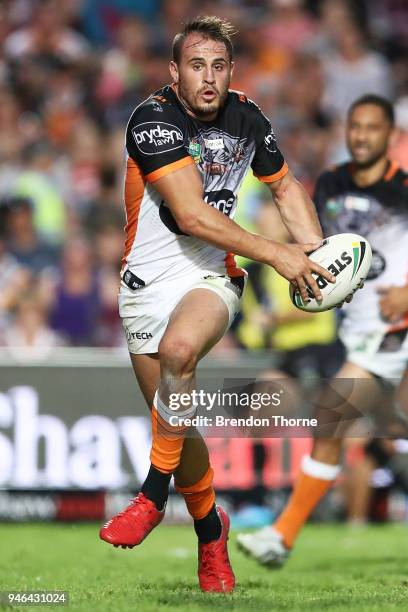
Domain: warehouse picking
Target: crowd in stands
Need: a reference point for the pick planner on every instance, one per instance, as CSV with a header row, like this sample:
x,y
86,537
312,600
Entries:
x,y
71,72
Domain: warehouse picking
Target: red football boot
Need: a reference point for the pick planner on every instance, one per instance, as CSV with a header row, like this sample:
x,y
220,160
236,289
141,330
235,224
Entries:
x,y
214,568
130,527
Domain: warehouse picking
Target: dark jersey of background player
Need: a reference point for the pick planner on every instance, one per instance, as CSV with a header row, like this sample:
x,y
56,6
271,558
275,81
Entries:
x,y
379,212
162,137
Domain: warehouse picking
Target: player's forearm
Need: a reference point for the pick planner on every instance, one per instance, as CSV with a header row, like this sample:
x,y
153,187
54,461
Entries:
x,y
215,228
297,211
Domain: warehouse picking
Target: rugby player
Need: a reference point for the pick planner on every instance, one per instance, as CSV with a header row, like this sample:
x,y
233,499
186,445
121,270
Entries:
x,y
369,196
189,146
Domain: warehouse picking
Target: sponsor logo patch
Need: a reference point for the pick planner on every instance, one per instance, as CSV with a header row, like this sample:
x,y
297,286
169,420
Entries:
x,y
194,150
139,335
156,106
155,137
270,141
133,281
352,202
223,200
214,144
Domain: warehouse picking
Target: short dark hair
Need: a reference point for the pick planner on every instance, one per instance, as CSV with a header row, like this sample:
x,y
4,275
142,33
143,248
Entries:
x,y
209,26
383,103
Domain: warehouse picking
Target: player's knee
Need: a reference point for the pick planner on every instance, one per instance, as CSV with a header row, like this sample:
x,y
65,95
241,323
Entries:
x,y
177,357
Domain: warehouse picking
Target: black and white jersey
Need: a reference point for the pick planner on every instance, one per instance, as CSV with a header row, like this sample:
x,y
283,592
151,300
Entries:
x,y
162,137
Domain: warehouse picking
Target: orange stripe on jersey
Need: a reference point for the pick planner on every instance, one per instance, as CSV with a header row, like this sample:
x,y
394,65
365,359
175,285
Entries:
x,y
180,163
391,170
134,190
231,266
271,178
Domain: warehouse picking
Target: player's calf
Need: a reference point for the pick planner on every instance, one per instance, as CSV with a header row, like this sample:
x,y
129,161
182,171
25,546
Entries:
x,y
211,525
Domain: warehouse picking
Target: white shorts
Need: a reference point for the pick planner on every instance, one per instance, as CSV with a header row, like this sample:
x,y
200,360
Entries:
x,y
382,354
145,311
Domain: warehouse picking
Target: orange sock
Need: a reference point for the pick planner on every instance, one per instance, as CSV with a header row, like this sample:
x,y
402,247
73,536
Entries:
x,y
315,479
167,443
199,497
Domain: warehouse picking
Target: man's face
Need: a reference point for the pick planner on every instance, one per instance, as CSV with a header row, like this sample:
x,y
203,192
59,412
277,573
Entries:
x,y
202,76
368,132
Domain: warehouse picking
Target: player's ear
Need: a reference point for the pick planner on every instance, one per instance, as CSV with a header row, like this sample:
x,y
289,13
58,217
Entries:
x,y
232,66
174,71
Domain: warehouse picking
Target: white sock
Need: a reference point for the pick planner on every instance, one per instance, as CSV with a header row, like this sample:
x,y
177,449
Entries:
x,y
317,469
166,413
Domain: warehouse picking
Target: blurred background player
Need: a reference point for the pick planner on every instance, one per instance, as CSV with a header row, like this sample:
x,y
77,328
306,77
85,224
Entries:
x,y
368,196
304,344
189,146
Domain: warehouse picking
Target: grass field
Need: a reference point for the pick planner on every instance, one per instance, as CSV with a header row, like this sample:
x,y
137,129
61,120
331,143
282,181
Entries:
x,y
334,567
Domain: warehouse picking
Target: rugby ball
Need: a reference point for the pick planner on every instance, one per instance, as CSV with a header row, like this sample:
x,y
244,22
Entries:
x,y
348,257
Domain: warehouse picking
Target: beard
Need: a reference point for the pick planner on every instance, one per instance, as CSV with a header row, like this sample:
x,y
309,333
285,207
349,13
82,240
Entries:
x,y
200,108
364,164
206,108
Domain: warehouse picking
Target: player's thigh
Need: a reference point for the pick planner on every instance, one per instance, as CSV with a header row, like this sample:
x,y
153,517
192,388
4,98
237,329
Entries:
x,y
199,320
342,400
147,371
358,386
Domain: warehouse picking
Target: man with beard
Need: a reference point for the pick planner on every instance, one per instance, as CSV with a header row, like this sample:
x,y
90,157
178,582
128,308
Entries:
x,y
188,148
368,196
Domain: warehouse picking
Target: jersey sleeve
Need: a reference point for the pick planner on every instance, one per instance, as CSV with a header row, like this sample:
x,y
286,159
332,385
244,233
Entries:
x,y
268,163
156,139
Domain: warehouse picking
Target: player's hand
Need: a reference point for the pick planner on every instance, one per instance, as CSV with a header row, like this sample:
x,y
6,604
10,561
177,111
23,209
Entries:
x,y
350,296
393,302
293,264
